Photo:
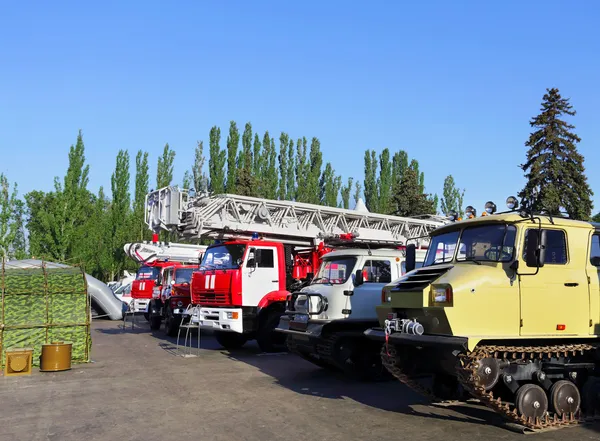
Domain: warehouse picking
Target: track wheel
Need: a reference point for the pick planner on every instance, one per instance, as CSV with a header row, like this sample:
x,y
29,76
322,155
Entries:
x,y
591,396
488,372
565,398
531,402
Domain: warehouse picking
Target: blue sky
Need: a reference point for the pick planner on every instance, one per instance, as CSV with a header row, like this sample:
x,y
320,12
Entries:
x,y
452,83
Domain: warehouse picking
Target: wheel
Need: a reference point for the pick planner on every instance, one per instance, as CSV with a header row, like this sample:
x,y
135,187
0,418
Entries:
x,y
565,398
230,340
147,316
590,392
171,323
488,372
267,338
155,321
531,402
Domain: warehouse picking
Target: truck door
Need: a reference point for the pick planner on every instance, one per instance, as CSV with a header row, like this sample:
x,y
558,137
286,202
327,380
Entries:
x,y
594,284
260,275
376,274
166,287
555,301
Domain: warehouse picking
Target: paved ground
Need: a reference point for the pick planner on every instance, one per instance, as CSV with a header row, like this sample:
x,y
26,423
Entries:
x,y
137,389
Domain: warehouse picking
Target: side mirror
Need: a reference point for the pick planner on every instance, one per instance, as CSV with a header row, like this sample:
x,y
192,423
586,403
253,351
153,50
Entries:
x,y
536,248
358,278
411,257
172,282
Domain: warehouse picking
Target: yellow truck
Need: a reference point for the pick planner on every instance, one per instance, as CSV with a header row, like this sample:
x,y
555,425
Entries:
x,y
506,308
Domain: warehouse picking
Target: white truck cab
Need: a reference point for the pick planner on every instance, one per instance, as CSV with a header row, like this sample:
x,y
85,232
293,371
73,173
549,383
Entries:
x,y
325,321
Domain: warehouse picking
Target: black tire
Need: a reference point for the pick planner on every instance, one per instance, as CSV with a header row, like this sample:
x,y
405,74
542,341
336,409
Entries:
x,y
171,323
231,340
267,338
147,316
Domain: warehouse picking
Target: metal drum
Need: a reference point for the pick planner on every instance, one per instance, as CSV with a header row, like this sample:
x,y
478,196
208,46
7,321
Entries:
x,y
56,356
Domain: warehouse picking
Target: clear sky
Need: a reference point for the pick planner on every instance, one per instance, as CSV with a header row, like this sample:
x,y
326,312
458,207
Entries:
x,y
453,83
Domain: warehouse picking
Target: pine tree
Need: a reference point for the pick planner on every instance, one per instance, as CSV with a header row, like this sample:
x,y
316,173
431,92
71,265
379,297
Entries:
x,y
554,168
164,169
283,165
384,183
371,200
119,213
142,182
216,162
411,201
345,193
452,197
291,176
198,178
233,140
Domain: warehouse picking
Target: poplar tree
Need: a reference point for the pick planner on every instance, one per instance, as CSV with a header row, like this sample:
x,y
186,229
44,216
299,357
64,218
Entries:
x,y
233,140
216,162
291,175
345,193
452,197
283,165
314,172
554,168
302,170
142,181
269,167
164,168
245,179
198,178
384,183
258,161
119,212
370,182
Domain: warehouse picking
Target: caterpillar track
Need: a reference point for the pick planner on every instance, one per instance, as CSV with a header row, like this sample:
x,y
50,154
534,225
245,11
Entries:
x,y
468,375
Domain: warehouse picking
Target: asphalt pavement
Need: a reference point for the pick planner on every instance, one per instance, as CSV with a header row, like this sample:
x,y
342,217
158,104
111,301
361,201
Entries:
x,y
139,387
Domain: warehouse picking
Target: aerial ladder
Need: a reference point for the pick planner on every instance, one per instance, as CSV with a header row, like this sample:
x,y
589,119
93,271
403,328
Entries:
x,y
264,249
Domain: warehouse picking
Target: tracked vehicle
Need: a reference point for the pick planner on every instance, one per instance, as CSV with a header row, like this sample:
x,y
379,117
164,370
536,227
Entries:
x,y
506,308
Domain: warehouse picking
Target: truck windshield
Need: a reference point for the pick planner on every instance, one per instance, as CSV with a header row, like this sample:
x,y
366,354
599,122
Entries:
x,y
484,243
223,257
148,273
183,275
334,271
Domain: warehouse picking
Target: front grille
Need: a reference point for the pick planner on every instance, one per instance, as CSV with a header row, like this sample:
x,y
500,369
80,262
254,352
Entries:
x,y
211,298
421,278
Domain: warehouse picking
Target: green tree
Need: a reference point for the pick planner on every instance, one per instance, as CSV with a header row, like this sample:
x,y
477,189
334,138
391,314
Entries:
x,y
199,180
258,159
10,221
142,181
554,168
164,169
245,179
269,174
596,218
314,172
291,176
384,183
216,162
345,193
411,201
187,180
19,246
357,192
283,165
233,141
101,259
119,213
330,186
452,197
371,200
302,170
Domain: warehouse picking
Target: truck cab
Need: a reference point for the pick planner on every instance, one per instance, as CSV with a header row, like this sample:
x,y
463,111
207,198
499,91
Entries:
x,y
171,298
240,290
146,280
325,321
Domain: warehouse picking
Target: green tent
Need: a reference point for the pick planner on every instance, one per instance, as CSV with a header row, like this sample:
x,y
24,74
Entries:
x,y
42,304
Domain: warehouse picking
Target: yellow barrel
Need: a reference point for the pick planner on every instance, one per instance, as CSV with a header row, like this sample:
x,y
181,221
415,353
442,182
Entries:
x,y
56,356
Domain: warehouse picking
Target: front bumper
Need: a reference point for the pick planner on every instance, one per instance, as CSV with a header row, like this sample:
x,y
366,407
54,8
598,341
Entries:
x,y
139,305
218,319
314,328
400,338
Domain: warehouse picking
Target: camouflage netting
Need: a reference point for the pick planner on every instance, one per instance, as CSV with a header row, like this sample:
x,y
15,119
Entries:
x,y
44,305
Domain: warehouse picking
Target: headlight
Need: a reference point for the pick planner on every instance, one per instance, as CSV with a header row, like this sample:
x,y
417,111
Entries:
x,y
441,295
232,315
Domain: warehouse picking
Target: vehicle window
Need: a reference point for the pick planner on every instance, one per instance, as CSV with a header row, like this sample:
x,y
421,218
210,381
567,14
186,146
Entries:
x,y
441,248
595,255
377,271
183,275
223,256
147,272
335,271
487,243
556,247
403,266
127,289
265,258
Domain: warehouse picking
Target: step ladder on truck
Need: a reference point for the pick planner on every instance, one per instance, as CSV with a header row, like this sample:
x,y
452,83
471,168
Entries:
x,y
264,250
161,289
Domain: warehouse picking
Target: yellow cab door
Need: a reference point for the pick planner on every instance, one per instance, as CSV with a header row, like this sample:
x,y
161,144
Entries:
x,y
555,301
594,283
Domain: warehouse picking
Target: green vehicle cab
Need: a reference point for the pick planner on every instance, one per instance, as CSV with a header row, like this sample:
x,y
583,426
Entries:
x,y
506,309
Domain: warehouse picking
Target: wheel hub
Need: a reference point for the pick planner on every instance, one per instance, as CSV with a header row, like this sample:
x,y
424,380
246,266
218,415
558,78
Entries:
x,y
531,401
565,397
488,372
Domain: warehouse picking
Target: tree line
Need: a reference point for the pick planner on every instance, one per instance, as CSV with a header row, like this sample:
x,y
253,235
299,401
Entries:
x,y
75,225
